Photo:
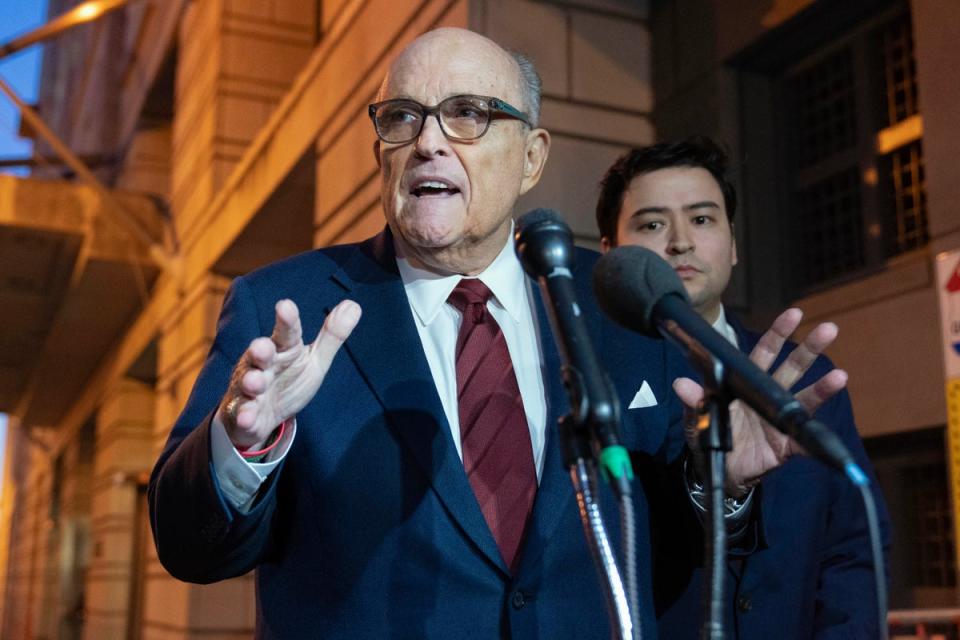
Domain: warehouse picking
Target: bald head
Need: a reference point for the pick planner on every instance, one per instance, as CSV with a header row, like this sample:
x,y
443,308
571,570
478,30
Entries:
x,y
460,51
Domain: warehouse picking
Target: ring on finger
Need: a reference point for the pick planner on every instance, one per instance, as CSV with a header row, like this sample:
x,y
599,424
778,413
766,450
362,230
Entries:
x,y
232,408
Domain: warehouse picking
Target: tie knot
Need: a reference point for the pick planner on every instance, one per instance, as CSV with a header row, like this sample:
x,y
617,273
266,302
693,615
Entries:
x,y
470,298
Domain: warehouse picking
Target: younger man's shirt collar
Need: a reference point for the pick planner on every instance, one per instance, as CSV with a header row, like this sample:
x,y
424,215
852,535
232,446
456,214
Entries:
x,y
725,329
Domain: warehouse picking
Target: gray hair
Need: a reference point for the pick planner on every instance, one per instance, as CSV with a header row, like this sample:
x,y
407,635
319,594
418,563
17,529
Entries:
x,y
530,86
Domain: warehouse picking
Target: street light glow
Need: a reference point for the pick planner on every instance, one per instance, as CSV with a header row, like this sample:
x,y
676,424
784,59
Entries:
x,y
88,11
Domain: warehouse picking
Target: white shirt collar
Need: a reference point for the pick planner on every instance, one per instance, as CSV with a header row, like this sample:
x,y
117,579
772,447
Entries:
x,y
428,291
724,328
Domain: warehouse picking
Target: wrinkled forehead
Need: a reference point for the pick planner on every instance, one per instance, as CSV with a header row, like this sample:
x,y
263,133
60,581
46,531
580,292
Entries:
x,y
441,65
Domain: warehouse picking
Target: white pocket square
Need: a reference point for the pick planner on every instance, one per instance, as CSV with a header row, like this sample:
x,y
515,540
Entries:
x,y
644,397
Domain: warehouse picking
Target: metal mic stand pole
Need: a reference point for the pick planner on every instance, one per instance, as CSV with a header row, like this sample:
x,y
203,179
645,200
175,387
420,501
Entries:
x,y
715,441
579,459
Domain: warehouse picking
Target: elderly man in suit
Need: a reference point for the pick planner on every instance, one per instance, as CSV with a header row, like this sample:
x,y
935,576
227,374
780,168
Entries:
x,y
395,475
813,575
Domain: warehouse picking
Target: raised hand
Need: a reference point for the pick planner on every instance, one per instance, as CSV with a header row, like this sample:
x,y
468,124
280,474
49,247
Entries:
x,y
277,376
757,446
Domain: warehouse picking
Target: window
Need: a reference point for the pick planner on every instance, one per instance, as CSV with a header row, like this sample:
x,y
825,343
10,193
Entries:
x,y
854,158
905,224
899,69
927,489
825,116
832,229
913,477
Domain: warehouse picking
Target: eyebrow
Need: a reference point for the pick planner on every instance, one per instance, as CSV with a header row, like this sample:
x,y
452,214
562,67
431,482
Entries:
x,y
703,204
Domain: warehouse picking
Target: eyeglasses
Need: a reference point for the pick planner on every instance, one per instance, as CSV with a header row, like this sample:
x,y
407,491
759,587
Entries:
x,y
464,117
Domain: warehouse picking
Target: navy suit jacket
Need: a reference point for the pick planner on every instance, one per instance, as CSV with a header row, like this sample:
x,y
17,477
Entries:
x,y
812,573
369,528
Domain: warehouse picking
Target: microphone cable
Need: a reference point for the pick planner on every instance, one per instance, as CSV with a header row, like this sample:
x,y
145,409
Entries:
x,y
862,482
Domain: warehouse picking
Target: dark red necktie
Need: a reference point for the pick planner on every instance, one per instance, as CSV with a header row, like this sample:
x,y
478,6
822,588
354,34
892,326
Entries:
x,y
495,439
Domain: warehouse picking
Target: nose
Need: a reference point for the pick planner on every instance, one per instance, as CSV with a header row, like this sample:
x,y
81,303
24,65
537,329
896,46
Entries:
x,y
431,141
681,240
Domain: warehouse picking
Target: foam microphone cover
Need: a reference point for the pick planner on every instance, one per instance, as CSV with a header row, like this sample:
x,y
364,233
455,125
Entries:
x,y
543,242
629,281
534,218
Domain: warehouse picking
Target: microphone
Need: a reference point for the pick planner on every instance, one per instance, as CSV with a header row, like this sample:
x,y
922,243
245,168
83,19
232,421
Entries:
x,y
544,244
641,292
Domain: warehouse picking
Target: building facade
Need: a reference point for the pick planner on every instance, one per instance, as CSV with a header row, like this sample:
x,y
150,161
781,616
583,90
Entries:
x,y
224,134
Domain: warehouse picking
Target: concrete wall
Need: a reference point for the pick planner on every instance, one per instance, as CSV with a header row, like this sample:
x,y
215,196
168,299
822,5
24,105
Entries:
x,y
594,59
123,456
30,528
936,27
237,58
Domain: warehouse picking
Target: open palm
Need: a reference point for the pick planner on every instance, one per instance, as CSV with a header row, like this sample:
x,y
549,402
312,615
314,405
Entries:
x,y
757,446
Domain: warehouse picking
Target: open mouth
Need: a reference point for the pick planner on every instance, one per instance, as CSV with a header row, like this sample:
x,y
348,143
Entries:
x,y
429,188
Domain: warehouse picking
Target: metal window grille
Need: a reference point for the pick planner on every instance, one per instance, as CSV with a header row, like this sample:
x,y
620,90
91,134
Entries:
x,y
899,70
932,518
825,108
905,227
831,226
836,99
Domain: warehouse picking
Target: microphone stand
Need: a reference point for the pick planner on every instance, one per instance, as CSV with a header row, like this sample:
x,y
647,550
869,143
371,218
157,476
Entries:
x,y
578,456
588,434
714,440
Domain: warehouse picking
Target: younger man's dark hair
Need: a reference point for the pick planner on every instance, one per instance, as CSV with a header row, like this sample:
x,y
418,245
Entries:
x,y
696,151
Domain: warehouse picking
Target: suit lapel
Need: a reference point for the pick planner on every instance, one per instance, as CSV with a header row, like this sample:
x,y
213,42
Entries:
x,y
386,349
746,340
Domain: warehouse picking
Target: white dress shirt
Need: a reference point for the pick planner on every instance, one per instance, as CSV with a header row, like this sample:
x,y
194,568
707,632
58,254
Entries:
x,y
438,324
511,305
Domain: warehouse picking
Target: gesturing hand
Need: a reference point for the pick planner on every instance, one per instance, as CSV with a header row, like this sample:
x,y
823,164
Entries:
x,y
277,376
757,446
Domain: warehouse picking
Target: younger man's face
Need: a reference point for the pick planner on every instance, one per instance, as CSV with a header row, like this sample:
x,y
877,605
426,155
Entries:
x,y
679,213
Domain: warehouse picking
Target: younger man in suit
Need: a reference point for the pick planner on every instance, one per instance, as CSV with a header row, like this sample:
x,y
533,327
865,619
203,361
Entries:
x,y
814,576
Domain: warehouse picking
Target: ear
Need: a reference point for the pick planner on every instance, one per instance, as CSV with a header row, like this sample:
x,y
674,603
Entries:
x,y
376,151
733,247
605,244
536,150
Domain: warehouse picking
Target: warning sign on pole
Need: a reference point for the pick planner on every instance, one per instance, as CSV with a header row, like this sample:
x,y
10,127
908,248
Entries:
x,y
948,286
947,265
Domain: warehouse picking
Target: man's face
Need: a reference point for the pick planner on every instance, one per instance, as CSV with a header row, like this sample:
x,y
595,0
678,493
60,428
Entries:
x,y
449,203
679,213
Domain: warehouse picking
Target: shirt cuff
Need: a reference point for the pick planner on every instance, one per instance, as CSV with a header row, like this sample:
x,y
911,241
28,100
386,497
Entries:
x,y
240,480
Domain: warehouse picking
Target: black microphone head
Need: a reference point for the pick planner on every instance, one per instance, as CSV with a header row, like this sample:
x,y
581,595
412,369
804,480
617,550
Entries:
x,y
543,242
629,281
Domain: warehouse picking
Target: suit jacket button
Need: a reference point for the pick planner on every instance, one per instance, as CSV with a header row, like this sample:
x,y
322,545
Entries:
x,y
744,604
518,600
